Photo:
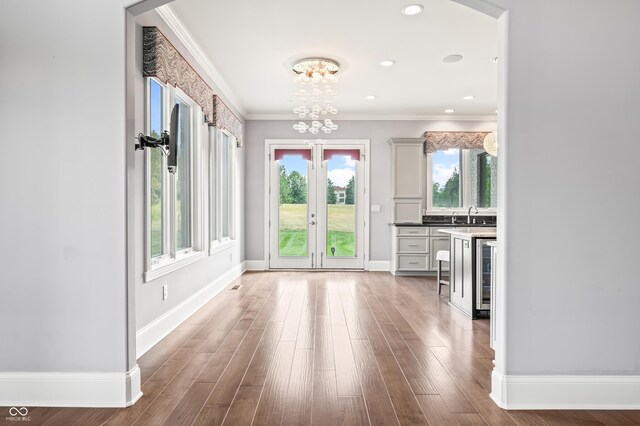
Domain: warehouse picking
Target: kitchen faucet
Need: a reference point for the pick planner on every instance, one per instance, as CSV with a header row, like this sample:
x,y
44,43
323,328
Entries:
x,y
469,213
453,217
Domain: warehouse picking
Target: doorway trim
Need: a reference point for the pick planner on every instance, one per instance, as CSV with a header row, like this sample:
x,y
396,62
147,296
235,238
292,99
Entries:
x,y
330,142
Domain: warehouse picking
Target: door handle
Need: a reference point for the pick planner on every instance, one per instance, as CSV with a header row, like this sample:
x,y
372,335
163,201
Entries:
x,y
313,222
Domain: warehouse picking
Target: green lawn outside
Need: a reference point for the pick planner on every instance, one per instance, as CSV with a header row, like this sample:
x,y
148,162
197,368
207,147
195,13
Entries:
x,y
293,235
340,232
156,231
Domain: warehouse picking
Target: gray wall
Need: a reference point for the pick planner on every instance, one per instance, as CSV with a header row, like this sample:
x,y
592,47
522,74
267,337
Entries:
x,y
62,187
379,132
188,280
572,151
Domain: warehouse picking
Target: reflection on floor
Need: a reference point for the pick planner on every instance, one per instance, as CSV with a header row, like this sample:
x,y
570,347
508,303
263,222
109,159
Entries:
x,y
328,348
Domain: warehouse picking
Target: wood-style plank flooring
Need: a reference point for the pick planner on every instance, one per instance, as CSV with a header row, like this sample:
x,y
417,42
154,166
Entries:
x,y
322,348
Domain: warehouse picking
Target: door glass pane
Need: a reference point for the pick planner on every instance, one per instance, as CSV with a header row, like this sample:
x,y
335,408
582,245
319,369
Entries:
x,y
183,179
156,191
293,212
445,178
341,206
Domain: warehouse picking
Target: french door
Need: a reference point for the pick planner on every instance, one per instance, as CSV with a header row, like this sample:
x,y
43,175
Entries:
x,y
317,206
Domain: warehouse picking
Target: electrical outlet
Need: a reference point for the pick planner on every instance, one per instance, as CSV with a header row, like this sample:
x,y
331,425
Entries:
x,y
165,292
375,208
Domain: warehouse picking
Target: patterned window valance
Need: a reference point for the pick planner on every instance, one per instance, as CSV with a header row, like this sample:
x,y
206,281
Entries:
x,y
436,141
163,61
223,118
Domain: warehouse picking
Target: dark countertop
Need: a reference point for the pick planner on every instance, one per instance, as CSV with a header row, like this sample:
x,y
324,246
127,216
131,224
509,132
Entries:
x,y
434,221
443,225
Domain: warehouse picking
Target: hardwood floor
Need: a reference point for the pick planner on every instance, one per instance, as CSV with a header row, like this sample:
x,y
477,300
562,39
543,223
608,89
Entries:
x,y
325,348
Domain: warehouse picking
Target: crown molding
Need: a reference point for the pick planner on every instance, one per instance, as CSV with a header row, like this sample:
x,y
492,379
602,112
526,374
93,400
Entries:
x,y
380,117
175,24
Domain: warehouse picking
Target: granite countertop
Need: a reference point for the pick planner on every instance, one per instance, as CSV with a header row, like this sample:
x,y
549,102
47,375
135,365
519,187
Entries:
x,y
445,225
473,232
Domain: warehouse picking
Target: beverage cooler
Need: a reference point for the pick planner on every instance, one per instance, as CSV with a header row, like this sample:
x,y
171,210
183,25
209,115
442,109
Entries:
x,y
483,275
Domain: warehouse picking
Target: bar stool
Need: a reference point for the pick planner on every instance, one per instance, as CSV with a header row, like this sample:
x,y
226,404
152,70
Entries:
x,y
442,256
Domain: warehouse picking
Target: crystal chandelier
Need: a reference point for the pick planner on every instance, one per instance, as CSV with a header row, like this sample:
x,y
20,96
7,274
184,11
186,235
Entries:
x,y
315,78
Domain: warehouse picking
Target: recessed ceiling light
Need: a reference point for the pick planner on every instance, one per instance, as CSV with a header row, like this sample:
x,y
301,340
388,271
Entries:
x,y
370,97
387,63
452,58
412,9
449,111
469,97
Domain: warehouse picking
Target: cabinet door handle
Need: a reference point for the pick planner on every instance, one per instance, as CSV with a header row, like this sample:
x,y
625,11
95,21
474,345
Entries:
x,y
413,263
413,245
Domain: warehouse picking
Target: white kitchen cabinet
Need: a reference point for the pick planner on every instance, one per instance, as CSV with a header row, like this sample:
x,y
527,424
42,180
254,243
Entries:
x,y
407,211
408,164
410,250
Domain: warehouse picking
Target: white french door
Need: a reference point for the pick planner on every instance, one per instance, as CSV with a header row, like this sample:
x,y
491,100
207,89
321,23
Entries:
x,y
317,208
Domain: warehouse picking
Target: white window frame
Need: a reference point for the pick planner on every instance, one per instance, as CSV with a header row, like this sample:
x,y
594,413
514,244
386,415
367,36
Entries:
x,y
217,241
166,214
175,259
465,183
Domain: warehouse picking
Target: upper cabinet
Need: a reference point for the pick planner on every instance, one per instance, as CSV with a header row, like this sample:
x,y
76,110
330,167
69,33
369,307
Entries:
x,y
407,179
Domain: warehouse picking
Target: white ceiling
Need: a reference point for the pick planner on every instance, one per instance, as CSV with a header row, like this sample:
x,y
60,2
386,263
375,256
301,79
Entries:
x,y
253,43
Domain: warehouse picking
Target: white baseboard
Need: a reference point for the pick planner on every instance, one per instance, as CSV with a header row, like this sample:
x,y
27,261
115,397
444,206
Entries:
x,y
566,392
255,265
379,266
158,329
70,389
261,265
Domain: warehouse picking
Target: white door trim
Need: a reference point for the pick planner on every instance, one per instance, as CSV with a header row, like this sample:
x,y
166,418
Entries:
x,y
366,180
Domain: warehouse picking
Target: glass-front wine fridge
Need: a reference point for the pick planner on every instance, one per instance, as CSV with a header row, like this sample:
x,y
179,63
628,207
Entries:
x,y
483,275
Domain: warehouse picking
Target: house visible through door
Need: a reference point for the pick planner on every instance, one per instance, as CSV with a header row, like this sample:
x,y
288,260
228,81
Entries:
x,y
317,206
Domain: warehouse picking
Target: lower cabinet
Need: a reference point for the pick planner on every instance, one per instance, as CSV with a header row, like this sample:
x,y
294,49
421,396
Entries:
x,y
413,262
415,249
410,250
461,281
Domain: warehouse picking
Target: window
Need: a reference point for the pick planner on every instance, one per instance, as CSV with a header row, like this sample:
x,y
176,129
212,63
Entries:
x,y
183,179
225,206
222,193
445,178
484,171
157,164
458,178
170,197
213,187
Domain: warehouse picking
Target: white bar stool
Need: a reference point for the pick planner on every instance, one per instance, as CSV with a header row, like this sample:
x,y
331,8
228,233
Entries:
x,y
442,256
